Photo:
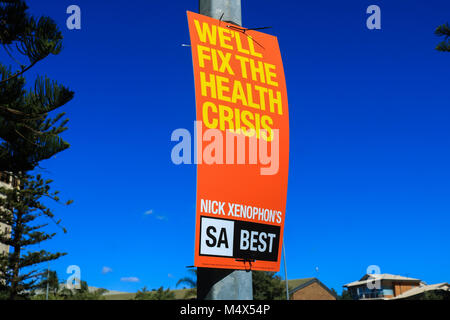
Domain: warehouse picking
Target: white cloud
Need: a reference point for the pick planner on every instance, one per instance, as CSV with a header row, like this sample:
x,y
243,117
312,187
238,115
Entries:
x,y
129,279
170,275
152,213
106,270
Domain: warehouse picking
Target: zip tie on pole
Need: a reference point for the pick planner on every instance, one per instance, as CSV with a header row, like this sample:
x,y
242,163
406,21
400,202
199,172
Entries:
x,y
243,30
249,263
246,29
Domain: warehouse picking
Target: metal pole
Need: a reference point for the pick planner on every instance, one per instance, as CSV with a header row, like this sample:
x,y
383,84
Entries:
x,y
48,278
285,272
228,10
222,284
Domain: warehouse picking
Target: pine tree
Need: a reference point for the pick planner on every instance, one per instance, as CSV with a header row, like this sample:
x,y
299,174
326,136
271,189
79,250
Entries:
x,y
443,31
28,135
268,286
49,281
22,209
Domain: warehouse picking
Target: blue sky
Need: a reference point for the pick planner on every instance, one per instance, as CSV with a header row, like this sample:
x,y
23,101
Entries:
x,y
370,140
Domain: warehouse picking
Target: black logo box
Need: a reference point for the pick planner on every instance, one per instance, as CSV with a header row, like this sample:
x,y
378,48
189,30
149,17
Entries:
x,y
259,228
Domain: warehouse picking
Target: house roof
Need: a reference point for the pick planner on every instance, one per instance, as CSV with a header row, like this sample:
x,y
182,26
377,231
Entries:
x,y
298,284
423,288
384,276
294,283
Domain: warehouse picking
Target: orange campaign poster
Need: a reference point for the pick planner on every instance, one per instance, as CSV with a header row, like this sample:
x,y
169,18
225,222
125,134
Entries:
x,y
242,146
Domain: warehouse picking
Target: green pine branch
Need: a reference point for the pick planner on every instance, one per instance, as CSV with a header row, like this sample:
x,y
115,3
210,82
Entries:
x,y
34,39
443,31
29,133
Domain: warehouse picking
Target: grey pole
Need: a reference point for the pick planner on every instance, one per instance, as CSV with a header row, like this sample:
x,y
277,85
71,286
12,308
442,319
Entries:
x,y
222,284
285,272
230,9
48,277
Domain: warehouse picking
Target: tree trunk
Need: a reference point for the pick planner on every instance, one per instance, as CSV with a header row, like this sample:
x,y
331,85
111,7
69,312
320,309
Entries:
x,y
16,257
